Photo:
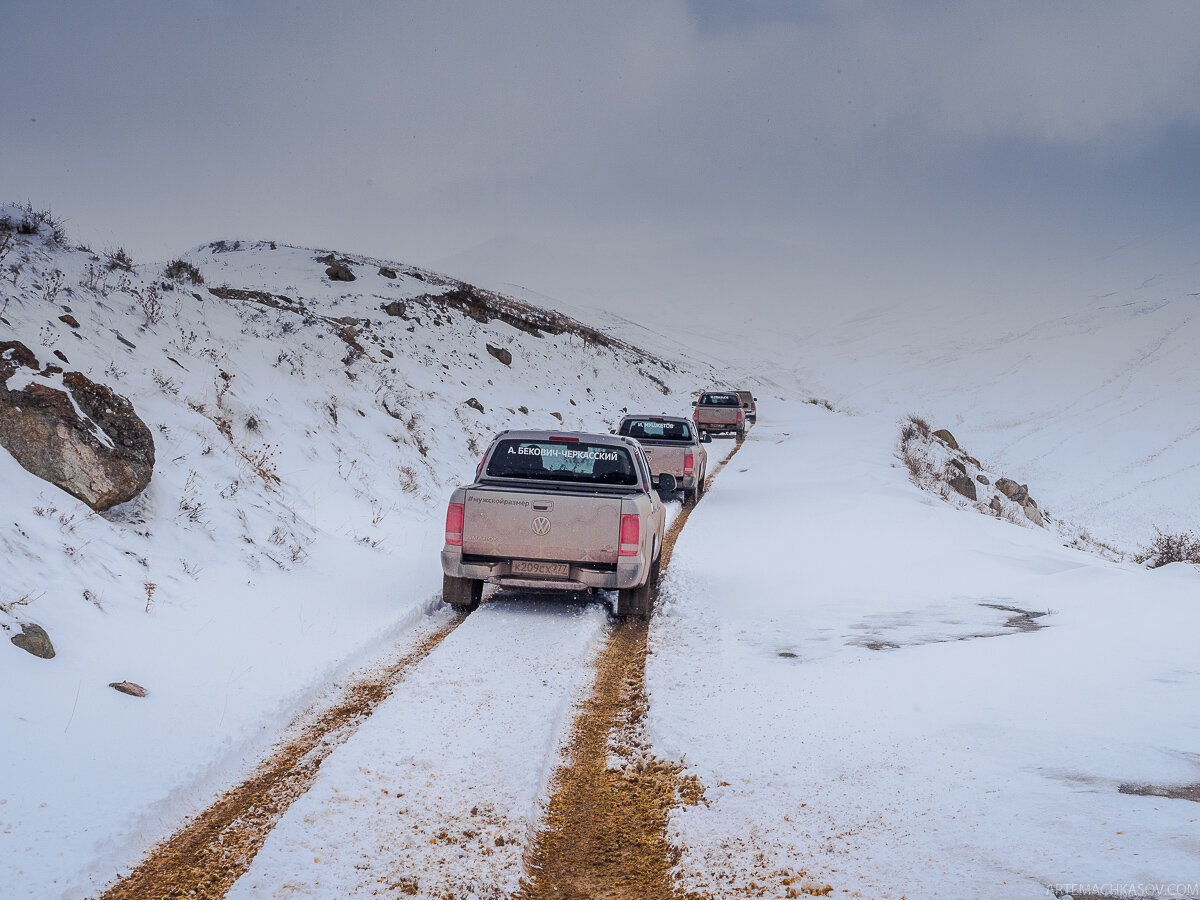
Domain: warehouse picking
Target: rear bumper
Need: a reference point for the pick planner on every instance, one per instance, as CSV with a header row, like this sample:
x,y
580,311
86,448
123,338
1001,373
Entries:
x,y
630,572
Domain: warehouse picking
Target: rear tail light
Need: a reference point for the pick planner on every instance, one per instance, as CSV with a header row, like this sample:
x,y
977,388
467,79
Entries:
x,y
741,416
631,530
688,464
479,468
696,415
454,524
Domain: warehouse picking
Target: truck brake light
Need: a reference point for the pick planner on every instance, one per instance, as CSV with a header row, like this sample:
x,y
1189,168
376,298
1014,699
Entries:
x,y
631,528
741,415
696,415
454,524
688,464
564,438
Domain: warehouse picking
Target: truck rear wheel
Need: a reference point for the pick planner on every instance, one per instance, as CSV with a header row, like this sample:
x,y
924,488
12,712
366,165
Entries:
x,y
741,434
637,602
462,593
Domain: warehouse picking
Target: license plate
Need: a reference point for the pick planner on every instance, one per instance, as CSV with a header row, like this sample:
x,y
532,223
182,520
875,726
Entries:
x,y
529,567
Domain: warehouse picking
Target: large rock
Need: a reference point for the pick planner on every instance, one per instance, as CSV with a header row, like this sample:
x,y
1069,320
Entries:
x,y
339,272
1033,514
82,438
964,486
501,354
33,639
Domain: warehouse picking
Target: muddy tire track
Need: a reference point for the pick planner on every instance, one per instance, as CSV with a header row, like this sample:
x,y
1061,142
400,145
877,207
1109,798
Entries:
x,y
203,859
605,831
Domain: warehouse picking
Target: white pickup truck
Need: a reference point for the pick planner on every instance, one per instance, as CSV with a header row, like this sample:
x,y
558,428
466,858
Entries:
x,y
557,511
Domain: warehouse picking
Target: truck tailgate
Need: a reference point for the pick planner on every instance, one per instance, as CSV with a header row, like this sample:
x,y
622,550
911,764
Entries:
x,y
719,415
666,457
550,526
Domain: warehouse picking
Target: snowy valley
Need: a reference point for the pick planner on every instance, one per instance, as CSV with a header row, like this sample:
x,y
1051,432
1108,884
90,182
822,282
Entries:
x,y
859,688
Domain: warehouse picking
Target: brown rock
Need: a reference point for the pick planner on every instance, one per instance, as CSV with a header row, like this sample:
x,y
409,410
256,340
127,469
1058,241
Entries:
x,y
996,506
339,272
104,458
964,486
387,272
943,435
982,479
475,404
501,354
1018,493
69,320
128,687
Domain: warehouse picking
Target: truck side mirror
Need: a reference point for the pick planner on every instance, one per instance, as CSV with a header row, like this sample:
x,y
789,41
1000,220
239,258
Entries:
x,y
706,438
693,403
667,483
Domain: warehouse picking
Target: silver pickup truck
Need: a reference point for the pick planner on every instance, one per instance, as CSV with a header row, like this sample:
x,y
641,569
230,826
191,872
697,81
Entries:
x,y
557,511
720,412
674,446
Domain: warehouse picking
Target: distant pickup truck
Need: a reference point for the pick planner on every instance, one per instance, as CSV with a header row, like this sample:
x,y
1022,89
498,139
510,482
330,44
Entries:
x,y
720,412
749,405
674,446
557,511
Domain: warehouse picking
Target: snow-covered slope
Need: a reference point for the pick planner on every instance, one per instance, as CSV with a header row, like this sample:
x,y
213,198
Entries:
x,y
306,443
884,694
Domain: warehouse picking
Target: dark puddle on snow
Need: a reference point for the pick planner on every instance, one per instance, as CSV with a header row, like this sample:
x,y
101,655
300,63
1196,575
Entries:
x,y
942,625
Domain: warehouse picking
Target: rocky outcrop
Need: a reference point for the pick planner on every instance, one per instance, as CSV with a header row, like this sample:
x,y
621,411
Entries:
x,y
1018,493
82,437
33,639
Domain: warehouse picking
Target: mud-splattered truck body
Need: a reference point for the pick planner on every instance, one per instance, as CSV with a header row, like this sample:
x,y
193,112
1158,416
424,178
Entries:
x,y
556,511
749,405
672,445
719,412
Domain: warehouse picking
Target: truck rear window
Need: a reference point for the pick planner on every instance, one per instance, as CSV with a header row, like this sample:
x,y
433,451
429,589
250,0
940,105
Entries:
x,y
720,400
657,431
553,461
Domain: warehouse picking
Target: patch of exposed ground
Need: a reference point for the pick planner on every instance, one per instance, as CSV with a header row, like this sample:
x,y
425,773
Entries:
x,y
203,859
605,832
1169,791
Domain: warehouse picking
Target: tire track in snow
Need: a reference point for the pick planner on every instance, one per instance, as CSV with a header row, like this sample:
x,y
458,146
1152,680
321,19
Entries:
x,y
605,831
204,858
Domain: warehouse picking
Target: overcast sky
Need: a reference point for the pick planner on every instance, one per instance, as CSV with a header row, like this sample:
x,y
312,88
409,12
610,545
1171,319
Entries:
x,y
780,155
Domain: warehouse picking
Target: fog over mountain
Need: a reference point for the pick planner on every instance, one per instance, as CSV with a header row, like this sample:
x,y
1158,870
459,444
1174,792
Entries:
x,y
786,159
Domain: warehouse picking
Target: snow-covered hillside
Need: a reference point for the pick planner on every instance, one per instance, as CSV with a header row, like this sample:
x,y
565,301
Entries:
x,y
1087,388
306,441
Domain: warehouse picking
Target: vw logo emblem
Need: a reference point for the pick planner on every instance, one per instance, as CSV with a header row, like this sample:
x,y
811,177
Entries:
x,y
541,526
